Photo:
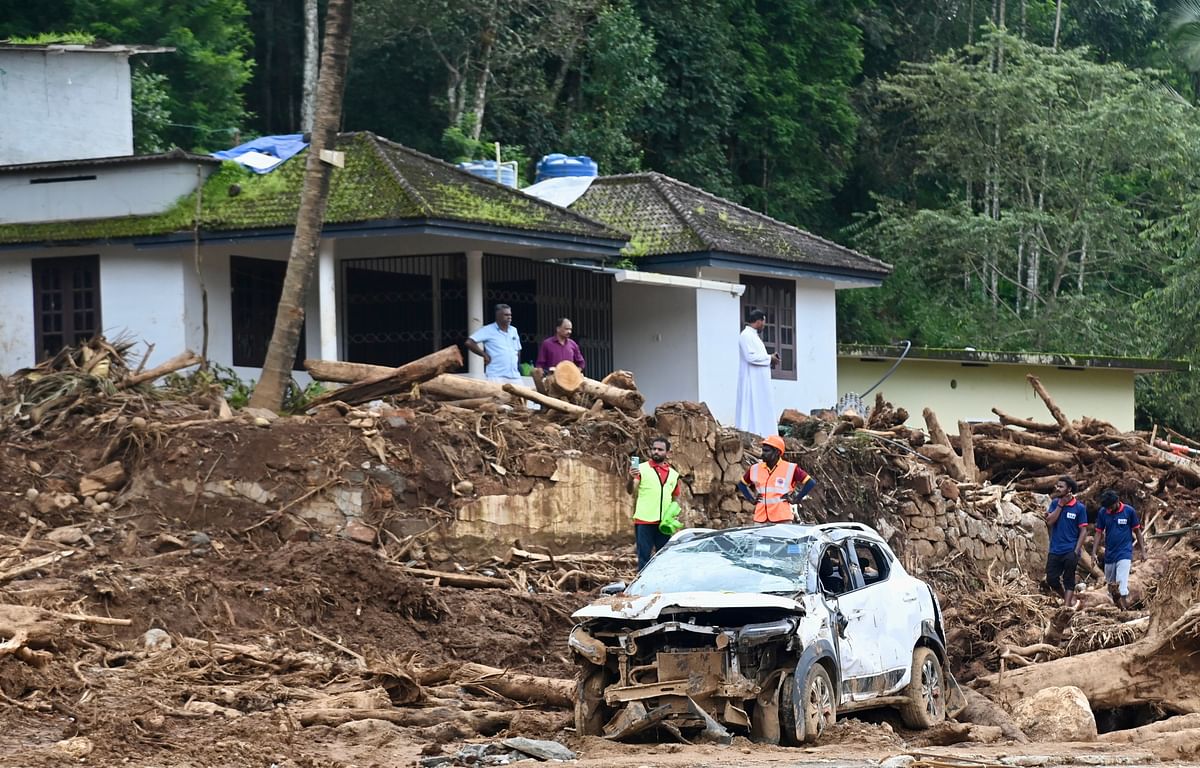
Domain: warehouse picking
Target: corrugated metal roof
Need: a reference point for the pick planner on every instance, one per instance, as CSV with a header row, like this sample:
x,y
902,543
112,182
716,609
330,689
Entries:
x,y
98,47
173,155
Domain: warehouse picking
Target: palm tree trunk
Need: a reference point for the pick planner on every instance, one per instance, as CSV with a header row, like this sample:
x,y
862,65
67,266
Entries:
x,y
1057,22
313,199
312,50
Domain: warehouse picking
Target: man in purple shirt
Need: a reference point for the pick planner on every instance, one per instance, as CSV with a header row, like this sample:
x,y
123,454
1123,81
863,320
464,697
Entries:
x,y
558,348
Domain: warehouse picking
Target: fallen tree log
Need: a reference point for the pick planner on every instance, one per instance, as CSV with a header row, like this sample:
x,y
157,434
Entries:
x,y
465,580
983,711
483,722
569,379
342,372
1137,735
1158,670
554,691
1025,454
950,461
421,369
966,443
545,400
1064,424
179,362
1019,436
1029,424
34,564
449,386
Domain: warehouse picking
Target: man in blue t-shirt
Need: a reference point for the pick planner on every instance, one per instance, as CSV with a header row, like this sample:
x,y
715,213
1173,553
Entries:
x,y
1117,525
1067,520
499,345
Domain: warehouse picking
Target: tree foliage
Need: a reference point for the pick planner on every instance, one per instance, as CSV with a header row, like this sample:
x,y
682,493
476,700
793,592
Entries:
x,y
1026,165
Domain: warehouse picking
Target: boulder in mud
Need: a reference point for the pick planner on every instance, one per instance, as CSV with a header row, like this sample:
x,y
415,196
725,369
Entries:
x,y
1056,714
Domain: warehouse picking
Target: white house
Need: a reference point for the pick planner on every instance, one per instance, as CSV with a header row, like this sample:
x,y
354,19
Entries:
x,y
683,344
183,252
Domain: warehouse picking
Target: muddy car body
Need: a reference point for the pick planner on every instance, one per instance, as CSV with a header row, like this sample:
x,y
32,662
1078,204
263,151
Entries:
x,y
769,630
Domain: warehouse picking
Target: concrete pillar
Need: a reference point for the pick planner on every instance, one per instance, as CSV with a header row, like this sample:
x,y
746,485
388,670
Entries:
x,y
475,309
327,299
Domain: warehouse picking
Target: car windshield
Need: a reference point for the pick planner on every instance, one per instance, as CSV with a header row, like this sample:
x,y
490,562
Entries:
x,y
737,561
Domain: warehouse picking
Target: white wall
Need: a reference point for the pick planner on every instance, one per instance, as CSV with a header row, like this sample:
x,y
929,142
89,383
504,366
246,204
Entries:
x,y
216,281
65,106
17,347
717,329
815,385
654,335
117,190
142,295
816,350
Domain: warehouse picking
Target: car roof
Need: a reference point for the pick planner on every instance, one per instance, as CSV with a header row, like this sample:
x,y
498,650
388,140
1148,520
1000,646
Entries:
x,y
828,531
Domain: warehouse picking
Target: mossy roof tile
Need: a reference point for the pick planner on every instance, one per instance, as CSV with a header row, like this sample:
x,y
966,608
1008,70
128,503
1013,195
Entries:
x,y
381,181
663,215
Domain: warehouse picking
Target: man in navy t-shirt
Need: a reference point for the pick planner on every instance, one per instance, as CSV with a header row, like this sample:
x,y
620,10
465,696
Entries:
x,y
1067,520
1117,525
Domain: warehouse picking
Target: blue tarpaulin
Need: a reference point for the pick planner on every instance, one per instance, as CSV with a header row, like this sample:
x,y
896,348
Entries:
x,y
265,153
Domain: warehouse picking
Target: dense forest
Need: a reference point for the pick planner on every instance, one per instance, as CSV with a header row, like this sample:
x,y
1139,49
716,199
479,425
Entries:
x,y
1028,166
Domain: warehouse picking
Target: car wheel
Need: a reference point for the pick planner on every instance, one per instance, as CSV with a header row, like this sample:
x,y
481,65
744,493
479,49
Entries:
x,y
926,706
817,708
591,713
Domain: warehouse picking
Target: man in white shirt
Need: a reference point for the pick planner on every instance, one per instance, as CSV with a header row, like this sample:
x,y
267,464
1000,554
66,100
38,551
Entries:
x,y
499,345
755,407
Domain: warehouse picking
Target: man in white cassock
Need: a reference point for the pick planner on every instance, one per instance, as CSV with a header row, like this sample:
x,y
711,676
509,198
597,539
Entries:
x,y
755,409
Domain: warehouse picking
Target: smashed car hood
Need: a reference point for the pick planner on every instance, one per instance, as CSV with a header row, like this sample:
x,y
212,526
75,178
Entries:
x,y
650,606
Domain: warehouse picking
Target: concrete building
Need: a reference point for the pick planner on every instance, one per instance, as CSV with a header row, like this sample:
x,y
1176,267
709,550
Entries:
x,y
966,384
66,102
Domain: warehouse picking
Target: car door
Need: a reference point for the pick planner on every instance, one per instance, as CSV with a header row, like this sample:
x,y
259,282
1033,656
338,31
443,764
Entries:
x,y
856,641
893,599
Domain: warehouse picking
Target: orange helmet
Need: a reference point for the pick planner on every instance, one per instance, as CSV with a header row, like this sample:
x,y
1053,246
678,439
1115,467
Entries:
x,y
776,442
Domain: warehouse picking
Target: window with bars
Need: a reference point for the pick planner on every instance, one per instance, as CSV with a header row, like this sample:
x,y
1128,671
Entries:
x,y
256,287
778,299
66,302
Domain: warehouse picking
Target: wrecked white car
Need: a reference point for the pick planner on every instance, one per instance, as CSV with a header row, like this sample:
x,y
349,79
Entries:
x,y
770,630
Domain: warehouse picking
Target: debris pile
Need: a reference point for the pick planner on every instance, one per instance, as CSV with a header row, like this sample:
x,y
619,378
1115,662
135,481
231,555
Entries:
x,y
171,569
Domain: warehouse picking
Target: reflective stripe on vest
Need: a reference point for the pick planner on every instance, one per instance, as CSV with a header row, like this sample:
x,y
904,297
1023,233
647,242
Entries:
x,y
653,495
772,485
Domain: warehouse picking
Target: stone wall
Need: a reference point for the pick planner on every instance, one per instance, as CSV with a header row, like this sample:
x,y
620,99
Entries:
x,y
927,517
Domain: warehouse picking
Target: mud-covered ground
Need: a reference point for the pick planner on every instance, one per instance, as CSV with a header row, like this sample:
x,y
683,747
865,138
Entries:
x,y
267,616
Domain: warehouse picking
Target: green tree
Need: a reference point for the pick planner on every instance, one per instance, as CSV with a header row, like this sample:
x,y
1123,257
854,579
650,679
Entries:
x,y
1047,182
616,81
796,128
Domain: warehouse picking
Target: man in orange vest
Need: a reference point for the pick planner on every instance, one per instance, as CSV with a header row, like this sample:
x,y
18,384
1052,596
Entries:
x,y
774,484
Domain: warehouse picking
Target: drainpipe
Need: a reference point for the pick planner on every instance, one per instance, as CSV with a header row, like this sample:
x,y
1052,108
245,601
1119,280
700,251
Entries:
x,y
327,299
474,307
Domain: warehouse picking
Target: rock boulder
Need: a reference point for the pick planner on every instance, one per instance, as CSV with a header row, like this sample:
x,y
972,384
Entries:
x,y
1056,714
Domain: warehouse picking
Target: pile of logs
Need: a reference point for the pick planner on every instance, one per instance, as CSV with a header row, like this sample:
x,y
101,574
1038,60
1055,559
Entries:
x,y
1032,455
567,391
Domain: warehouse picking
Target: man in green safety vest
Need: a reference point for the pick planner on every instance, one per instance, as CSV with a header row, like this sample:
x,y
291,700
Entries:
x,y
656,511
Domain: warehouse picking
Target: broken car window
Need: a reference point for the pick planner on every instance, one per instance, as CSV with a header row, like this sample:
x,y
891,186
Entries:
x,y
741,561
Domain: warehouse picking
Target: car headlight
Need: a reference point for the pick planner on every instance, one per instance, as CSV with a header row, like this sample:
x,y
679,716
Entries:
x,y
587,646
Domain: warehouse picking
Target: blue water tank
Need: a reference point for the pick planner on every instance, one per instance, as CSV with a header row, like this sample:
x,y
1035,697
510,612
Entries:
x,y
558,166
487,169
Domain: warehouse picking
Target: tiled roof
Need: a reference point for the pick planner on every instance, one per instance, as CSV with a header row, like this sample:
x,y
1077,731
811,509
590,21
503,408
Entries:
x,y
663,216
381,181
